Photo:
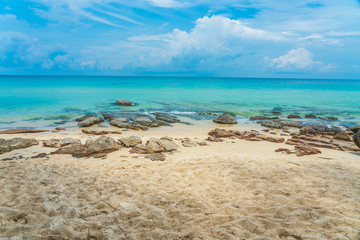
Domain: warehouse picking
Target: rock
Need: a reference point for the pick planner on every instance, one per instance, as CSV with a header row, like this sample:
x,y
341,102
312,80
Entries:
x,y
332,118
255,118
202,143
308,131
155,145
225,119
124,102
41,155
187,142
342,136
166,117
53,143
60,129
221,133
302,150
76,149
156,157
355,129
67,141
16,143
293,116
356,138
118,122
99,132
270,139
131,141
271,124
80,119
276,111
213,139
90,121
103,144
19,131
310,116
147,121
286,150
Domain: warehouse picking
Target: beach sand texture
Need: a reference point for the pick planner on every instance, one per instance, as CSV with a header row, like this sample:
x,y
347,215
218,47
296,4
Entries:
x,y
239,190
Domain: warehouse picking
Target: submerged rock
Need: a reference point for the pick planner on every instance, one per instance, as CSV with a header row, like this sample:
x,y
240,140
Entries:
x,y
90,121
255,118
16,143
332,118
271,124
293,116
124,102
166,117
147,121
276,111
310,116
80,119
131,141
225,119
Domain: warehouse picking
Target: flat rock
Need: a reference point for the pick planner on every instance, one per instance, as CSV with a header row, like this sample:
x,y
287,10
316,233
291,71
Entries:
x,y
166,117
99,132
16,143
225,118
310,116
156,157
80,119
19,131
90,121
302,150
118,122
293,116
255,118
187,142
124,102
76,149
53,143
221,133
148,121
67,141
131,141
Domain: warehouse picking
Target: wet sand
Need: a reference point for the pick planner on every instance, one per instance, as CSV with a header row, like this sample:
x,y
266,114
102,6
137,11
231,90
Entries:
x,y
234,189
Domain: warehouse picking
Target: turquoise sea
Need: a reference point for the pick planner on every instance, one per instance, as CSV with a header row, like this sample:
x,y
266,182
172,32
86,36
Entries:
x,y
60,99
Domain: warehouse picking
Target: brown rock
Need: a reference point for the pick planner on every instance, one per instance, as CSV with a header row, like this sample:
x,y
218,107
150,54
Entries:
x,y
19,131
302,150
293,116
187,142
213,139
225,119
53,143
76,149
286,150
255,118
131,141
90,121
155,145
101,145
356,138
343,137
67,141
221,133
355,129
270,139
16,143
310,116
99,132
124,102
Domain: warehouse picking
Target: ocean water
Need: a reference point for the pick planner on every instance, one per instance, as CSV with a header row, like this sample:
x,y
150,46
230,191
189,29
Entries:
x,y
61,99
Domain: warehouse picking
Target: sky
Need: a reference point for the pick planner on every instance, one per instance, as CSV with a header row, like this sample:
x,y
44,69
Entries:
x,y
220,38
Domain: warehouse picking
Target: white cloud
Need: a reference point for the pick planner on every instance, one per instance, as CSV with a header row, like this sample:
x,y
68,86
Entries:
x,y
165,3
295,58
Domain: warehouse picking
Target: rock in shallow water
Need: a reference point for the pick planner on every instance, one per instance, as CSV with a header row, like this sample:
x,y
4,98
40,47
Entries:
x,y
19,131
120,123
124,102
90,121
255,118
16,143
166,117
225,119
293,116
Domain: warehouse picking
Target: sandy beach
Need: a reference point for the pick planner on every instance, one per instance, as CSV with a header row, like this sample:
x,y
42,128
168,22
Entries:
x,y
234,189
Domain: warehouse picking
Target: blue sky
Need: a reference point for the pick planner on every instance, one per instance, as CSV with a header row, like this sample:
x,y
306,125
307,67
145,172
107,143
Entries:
x,y
252,38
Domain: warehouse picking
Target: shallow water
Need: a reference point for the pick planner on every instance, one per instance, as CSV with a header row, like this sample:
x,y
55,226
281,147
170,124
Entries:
x,y
61,99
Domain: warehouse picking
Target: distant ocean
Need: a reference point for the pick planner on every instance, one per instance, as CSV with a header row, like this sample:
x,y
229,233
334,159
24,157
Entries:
x,y
60,99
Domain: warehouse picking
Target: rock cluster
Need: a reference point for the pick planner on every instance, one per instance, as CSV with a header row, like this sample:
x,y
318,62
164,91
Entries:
x,y
124,102
95,148
245,135
300,150
16,143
